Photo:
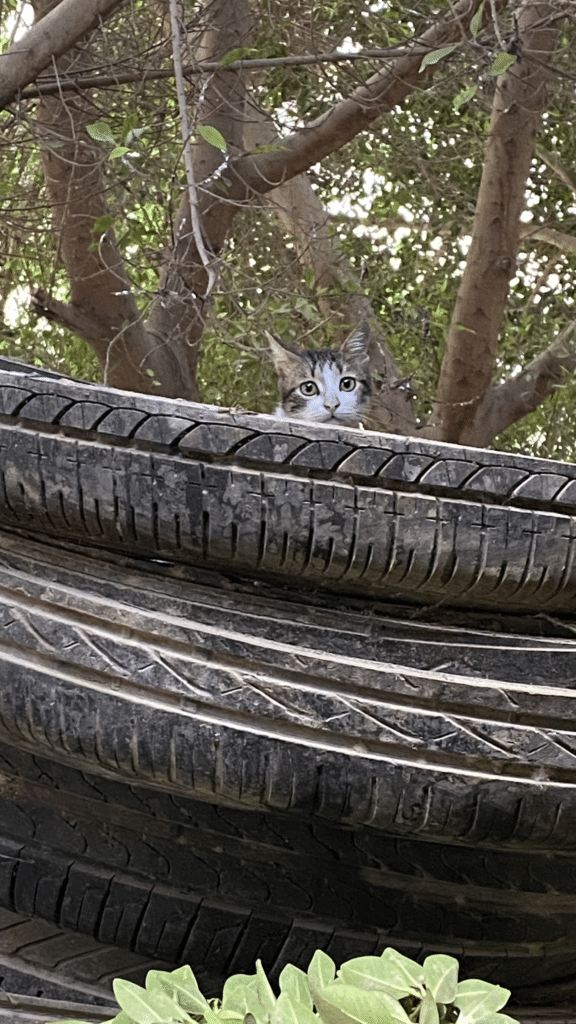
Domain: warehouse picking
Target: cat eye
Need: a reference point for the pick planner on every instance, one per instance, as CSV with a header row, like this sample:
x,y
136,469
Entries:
x,y
347,384
309,388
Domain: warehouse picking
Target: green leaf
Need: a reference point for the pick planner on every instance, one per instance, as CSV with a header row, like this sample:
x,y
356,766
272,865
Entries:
x,y
118,151
478,1000
464,97
428,1010
476,22
211,1016
345,1004
374,972
236,992
180,984
237,54
405,969
102,224
263,989
134,133
250,996
441,977
212,136
436,55
100,131
147,1007
129,124
502,62
301,305
294,983
321,970
290,1011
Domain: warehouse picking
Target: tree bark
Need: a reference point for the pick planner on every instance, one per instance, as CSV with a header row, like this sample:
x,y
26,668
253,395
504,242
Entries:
x,y
521,394
185,278
100,290
48,39
159,357
162,359
468,364
302,215
255,175
239,179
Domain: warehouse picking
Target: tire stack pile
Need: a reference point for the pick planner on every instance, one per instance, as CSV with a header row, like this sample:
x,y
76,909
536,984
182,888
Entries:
x,y
269,686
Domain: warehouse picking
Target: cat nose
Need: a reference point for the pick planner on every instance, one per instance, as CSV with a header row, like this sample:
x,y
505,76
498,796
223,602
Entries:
x,y
331,402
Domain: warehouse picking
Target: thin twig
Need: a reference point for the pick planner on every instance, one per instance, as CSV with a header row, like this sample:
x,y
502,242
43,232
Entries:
x,y
139,75
497,31
207,260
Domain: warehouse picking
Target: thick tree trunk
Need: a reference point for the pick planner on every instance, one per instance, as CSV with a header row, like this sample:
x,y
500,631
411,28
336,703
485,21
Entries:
x,y
468,364
100,293
102,309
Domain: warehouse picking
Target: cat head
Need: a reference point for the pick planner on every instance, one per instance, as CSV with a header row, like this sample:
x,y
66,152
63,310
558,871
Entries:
x,y
324,385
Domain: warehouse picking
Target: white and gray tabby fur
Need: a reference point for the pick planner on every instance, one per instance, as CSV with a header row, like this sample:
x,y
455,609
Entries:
x,y
325,385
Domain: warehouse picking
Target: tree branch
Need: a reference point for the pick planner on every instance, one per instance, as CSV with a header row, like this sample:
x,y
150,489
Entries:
x,y
540,233
72,317
303,217
48,39
207,261
468,364
237,180
177,313
103,309
347,119
521,394
73,83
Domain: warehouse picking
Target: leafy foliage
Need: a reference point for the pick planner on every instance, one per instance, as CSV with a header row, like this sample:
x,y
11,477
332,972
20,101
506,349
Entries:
x,y
401,199
390,989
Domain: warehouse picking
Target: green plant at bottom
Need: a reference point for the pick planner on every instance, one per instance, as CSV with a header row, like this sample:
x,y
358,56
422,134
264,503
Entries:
x,y
386,989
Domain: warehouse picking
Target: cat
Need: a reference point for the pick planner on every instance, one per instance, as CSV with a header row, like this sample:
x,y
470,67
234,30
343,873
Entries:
x,y
324,385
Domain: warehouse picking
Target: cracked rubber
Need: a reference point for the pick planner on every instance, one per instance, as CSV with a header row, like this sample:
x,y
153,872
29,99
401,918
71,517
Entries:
x,y
207,769
342,510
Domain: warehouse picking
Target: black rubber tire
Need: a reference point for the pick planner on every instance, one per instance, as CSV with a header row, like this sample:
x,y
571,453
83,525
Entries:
x,y
199,765
343,510
42,961
209,770
186,881
253,698
21,1009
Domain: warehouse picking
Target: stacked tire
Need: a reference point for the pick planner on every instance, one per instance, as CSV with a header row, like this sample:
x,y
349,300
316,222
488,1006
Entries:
x,y
269,686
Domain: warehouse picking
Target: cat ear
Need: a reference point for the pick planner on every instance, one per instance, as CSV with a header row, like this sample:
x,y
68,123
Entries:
x,y
284,359
355,346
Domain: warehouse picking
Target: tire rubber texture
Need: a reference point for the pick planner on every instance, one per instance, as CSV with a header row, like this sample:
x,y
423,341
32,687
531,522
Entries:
x,y
40,960
343,510
208,769
21,1009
